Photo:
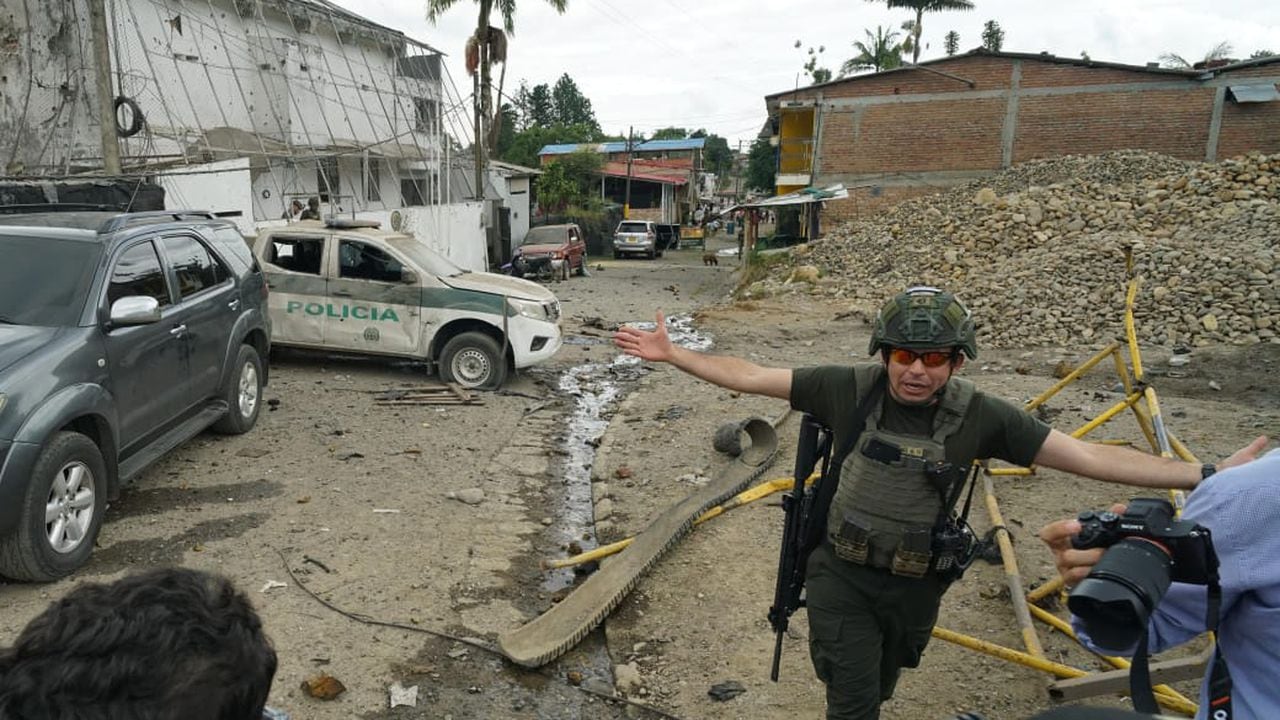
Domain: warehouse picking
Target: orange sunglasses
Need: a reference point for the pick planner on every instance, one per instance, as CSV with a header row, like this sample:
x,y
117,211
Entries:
x,y
930,358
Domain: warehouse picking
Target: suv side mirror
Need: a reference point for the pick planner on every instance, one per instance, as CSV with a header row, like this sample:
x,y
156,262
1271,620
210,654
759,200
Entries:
x,y
408,277
135,310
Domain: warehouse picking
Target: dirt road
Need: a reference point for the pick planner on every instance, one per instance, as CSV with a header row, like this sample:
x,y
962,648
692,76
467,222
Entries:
x,y
434,518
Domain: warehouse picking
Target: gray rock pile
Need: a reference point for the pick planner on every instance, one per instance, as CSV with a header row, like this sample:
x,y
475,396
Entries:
x,y
1038,251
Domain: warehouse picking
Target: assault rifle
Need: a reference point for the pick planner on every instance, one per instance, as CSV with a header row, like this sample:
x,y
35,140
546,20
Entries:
x,y
800,531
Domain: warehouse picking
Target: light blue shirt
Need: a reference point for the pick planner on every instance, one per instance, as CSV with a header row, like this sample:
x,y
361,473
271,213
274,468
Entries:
x,y
1241,508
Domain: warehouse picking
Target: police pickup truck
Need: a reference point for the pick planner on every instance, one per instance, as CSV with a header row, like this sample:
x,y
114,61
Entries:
x,y
347,286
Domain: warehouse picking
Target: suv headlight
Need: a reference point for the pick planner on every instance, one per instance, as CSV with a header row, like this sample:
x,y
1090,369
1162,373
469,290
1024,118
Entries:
x,y
528,308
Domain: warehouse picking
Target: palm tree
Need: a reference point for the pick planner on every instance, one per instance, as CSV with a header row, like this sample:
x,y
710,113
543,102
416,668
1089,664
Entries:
x,y
489,45
881,51
1221,51
921,7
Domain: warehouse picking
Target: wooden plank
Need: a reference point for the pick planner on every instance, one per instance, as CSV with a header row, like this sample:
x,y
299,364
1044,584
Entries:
x,y
1117,681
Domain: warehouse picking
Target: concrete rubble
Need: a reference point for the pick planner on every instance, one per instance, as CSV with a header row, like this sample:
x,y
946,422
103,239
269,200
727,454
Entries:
x,y
1037,251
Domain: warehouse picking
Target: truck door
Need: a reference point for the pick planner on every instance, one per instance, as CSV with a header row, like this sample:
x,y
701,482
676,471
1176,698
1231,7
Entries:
x,y
295,266
373,306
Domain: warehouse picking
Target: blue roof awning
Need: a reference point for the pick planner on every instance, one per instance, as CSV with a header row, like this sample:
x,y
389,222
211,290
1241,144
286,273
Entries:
x,y
617,147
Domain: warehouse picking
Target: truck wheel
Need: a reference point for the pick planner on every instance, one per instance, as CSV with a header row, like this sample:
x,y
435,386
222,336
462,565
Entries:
x,y
62,513
617,254
473,360
243,394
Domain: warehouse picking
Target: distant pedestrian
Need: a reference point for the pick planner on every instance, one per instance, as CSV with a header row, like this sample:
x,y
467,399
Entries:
x,y
313,209
294,211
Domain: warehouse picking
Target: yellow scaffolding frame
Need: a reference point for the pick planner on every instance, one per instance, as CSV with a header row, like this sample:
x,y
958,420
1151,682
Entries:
x,y
1140,397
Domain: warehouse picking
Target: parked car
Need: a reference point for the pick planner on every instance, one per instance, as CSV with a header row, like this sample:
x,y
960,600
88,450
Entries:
x,y
645,237
551,251
121,337
348,286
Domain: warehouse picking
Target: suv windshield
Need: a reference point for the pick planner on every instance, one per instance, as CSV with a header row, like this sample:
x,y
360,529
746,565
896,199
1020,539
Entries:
x,y
633,227
544,236
44,280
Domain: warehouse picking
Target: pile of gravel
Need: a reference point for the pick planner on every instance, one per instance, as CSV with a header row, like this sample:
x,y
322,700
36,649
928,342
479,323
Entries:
x,y
1038,251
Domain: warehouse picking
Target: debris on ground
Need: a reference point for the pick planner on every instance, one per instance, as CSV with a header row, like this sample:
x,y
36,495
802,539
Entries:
x,y
1037,251
401,695
727,690
323,687
450,394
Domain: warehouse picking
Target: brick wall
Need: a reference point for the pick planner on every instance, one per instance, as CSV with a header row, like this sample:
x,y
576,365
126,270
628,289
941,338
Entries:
x,y
908,132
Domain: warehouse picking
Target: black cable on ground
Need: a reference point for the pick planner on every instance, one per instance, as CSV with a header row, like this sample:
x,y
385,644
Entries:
x,y
491,649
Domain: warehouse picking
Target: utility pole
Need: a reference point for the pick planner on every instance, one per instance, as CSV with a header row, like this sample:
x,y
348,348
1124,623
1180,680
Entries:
x,y
737,176
626,203
102,82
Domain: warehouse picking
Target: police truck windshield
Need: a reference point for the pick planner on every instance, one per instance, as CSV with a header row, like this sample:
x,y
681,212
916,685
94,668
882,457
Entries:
x,y
424,257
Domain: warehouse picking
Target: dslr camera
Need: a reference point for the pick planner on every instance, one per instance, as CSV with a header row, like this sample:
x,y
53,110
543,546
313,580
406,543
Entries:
x,y
1147,549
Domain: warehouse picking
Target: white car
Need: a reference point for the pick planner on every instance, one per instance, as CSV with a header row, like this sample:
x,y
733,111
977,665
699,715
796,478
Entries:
x,y
346,286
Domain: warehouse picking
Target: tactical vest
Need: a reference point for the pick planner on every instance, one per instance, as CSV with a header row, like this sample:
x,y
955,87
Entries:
x,y
885,507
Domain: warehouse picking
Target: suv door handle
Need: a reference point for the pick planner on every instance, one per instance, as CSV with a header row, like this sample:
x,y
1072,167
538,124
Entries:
x,y
178,330
342,293
234,304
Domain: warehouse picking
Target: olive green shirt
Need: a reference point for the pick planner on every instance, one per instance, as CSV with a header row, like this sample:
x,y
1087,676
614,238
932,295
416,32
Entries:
x,y
992,428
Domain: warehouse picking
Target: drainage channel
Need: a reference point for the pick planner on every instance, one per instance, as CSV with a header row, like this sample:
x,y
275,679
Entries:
x,y
596,388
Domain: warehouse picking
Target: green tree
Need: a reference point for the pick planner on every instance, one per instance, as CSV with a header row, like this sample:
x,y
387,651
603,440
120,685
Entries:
x,y
1221,51
1259,54
921,7
762,166
524,147
507,129
716,155
490,46
951,42
541,112
881,51
992,36
569,105
569,182
670,133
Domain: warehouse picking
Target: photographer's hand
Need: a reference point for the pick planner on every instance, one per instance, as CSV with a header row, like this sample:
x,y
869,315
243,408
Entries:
x,y
1073,565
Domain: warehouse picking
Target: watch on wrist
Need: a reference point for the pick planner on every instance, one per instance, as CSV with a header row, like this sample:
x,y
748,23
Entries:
x,y
1207,469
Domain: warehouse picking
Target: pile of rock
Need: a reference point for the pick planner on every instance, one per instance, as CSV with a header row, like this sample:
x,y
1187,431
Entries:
x,y
1038,251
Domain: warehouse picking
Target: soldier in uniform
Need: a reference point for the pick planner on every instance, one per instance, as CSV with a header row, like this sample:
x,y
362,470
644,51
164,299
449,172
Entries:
x,y
873,586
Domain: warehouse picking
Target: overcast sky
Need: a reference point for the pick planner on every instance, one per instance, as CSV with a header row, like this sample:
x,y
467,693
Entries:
x,y
709,63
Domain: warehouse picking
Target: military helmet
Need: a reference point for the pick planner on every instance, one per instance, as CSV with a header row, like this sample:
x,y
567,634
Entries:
x,y
924,317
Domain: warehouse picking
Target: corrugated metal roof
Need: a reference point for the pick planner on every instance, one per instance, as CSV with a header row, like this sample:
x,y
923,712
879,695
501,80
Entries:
x,y
617,147
1255,93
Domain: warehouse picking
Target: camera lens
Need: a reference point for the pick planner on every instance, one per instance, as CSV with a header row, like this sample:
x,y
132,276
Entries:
x,y
1116,600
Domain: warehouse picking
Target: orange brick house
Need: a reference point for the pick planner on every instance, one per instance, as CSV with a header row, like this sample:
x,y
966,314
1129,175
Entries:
x,y
917,129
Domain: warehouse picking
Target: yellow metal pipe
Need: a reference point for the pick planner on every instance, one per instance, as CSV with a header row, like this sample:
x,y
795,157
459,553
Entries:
x,y
1130,331
1004,653
1045,589
1011,575
1072,376
1106,415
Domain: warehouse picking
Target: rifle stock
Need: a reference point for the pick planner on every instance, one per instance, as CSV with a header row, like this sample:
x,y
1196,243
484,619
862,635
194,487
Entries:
x,y
813,444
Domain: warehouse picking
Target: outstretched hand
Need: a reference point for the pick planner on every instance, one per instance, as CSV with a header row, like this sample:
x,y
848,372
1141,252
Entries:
x,y
654,345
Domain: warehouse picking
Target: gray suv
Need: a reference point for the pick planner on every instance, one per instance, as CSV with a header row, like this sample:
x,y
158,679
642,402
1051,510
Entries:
x,y
121,337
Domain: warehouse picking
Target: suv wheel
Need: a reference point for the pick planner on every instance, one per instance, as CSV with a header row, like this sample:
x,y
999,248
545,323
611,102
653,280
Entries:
x,y
243,394
473,360
62,514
